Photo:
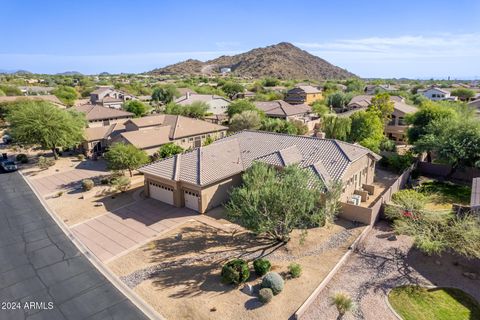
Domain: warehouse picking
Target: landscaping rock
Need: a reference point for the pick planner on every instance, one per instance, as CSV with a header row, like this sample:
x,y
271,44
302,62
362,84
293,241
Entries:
x,y
247,289
392,238
437,262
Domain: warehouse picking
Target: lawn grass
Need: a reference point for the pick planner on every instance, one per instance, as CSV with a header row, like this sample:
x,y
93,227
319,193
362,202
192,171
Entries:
x,y
414,303
443,194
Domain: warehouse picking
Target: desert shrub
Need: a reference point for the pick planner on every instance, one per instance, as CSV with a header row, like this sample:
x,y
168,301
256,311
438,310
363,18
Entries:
x,y
261,266
121,183
343,302
59,194
295,270
387,145
410,199
22,158
45,163
105,180
81,157
397,163
235,272
265,295
87,184
273,281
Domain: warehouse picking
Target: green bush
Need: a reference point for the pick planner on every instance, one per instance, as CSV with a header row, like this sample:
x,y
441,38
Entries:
x,y
265,295
87,184
121,183
261,266
410,199
295,270
397,163
22,158
387,145
81,157
273,281
235,272
343,302
45,163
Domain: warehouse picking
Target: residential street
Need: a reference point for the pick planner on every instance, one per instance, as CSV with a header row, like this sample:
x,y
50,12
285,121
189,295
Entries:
x,y
42,273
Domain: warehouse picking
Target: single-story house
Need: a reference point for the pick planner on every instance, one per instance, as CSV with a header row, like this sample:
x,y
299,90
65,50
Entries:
x,y
98,116
303,95
99,138
284,110
216,104
202,178
151,132
378,88
436,93
107,95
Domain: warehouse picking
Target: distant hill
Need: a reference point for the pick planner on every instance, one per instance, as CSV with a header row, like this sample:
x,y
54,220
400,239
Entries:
x,y
17,72
283,61
70,73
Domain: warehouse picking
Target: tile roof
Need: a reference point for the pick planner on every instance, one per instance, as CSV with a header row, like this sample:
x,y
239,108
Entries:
x,y
280,108
309,89
180,126
327,158
147,138
365,100
189,98
103,132
96,112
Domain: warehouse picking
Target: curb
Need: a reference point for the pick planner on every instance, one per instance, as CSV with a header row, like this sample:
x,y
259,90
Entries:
x,y
390,306
117,283
308,302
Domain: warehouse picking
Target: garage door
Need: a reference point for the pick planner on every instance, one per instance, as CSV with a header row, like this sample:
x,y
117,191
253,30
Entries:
x,y
161,192
191,200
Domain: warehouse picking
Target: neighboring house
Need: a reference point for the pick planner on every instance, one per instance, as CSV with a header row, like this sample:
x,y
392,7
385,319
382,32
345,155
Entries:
x,y
36,90
110,97
283,110
216,104
396,129
303,95
149,133
244,95
98,116
99,138
201,179
436,94
475,104
49,98
378,88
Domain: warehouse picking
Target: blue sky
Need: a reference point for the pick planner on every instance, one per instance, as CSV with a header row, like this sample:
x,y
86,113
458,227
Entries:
x,y
416,39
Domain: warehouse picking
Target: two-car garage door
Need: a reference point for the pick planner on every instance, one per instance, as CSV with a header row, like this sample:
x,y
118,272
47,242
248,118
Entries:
x,y
161,192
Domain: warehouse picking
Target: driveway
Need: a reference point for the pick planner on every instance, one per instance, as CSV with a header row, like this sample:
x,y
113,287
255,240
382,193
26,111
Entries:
x,y
380,265
38,263
122,230
70,179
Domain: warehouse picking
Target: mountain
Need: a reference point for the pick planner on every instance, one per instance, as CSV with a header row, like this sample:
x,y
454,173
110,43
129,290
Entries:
x,y
17,72
283,61
69,73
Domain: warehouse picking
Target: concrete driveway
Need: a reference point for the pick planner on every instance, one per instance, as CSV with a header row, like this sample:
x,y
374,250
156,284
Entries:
x,y
39,264
122,230
70,179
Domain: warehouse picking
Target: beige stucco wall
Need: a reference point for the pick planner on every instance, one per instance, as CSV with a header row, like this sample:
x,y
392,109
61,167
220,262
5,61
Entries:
x,y
364,170
214,195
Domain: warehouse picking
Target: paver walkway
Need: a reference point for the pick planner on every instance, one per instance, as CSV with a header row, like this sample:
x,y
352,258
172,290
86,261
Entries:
x,y
119,231
39,264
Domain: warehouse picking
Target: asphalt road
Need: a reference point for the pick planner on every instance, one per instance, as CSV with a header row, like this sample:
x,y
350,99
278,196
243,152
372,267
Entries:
x,y
42,273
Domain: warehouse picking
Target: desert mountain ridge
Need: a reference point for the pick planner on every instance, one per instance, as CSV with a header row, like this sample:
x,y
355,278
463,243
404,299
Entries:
x,y
283,61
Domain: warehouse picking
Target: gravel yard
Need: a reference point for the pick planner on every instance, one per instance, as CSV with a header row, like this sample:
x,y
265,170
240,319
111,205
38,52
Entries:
x,y
381,264
178,273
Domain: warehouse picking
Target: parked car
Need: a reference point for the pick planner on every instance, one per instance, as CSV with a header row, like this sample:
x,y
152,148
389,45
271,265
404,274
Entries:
x,y
7,165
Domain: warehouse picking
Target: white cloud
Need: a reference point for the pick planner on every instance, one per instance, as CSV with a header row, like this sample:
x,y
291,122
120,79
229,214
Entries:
x,y
408,55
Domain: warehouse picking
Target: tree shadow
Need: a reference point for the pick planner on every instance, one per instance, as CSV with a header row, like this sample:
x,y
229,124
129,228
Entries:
x,y
191,260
